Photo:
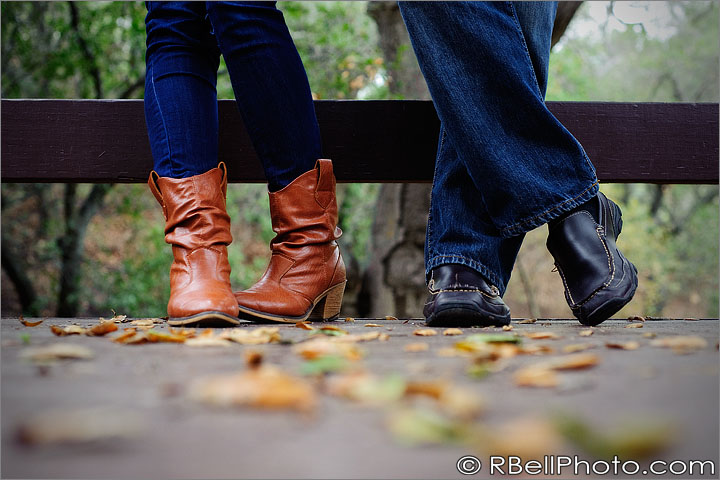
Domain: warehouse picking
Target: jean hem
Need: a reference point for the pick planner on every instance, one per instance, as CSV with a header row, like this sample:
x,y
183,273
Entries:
x,y
551,213
437,260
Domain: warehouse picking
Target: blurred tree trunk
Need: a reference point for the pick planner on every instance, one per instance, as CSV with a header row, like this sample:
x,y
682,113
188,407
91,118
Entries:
x,y
394,282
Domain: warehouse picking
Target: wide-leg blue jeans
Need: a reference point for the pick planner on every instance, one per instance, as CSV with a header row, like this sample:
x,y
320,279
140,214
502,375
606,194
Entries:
x,y
184,43
505,164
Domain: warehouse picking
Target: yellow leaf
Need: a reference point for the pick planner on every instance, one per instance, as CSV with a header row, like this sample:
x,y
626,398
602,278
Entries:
x,y
577,361
681,343
649,335
425,332
207,342
102,328
319,347
416,347
634,325
452,331
69,330
586,333
542,335
29,324
389,317
304,326
527,320
372,325
349,319
507,328
577,347
265,387
143,322
60,351
255,336
536,377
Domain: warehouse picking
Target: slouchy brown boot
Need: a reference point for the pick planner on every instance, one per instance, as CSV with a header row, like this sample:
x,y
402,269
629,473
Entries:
x,y
306,275
198,228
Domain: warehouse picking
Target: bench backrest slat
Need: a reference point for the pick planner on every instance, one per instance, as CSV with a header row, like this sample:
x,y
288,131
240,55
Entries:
x,y
369,141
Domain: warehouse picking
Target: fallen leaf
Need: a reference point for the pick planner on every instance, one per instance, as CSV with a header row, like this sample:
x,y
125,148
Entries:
x,y
577,347
349,319
73,426
331,331
577,361
183,332
253,359
537,350
154,336
324,364
143,322
319,347
492,338
536,377
362,337
129,333
59,351
304,326
452,331
255,336
68,330
527,320
681,343
636,318
633,440
372,325
586,333
527,437
102,328
542,335
634,325
632,345
425,427
204,341
416,347
266,387
649,335
116,318
29,324
389,317
367,389
425,332
507,328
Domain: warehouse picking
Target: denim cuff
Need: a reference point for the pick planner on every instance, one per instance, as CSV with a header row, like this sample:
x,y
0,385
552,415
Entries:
x,y
551,213
438,260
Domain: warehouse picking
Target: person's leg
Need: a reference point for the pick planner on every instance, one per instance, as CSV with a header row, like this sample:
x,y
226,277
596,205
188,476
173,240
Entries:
x,y
271,87
486,67
181,116
306,275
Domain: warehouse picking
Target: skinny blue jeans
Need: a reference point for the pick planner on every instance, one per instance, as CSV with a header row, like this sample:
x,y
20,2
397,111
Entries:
x,y
505,165
184,43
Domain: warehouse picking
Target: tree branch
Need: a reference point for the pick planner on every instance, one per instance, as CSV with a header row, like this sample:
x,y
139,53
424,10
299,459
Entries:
x,y
89,56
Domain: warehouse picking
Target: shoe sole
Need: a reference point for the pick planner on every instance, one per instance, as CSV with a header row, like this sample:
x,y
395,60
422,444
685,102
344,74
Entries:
x,y
612,306
464,317
210,319
325,307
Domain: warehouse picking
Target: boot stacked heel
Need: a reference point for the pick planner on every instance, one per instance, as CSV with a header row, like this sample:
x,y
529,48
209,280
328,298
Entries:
x,y
328,307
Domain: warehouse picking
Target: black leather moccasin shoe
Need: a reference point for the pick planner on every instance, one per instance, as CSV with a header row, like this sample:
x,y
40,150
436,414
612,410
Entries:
x,y
598,279
461,297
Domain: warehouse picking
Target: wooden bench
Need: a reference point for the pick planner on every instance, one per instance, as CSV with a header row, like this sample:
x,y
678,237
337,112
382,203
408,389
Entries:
x,y
105,141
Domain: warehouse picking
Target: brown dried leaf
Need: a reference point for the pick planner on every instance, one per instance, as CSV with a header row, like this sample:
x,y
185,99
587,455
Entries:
x,y
143,322
383,337
29,324
527,320
536,377
129,333
372,325
361,337
528,438
389,317
59,351
578,347
681,343
507,328
205,341
649,335
65,426
636,318
634,325
266,387
537,350
319,347
253,359
425,332
542,335
116,319
102,328
452,331
586,333
255,336
349,319
182,332
304,326
416,347
69,330
632,345
577,361
433,388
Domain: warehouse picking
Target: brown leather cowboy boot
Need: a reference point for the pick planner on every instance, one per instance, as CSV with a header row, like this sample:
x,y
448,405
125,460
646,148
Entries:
x,y
306,275
198,228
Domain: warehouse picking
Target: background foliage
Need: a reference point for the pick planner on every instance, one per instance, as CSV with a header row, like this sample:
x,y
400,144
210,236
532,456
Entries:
x,y
96,50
